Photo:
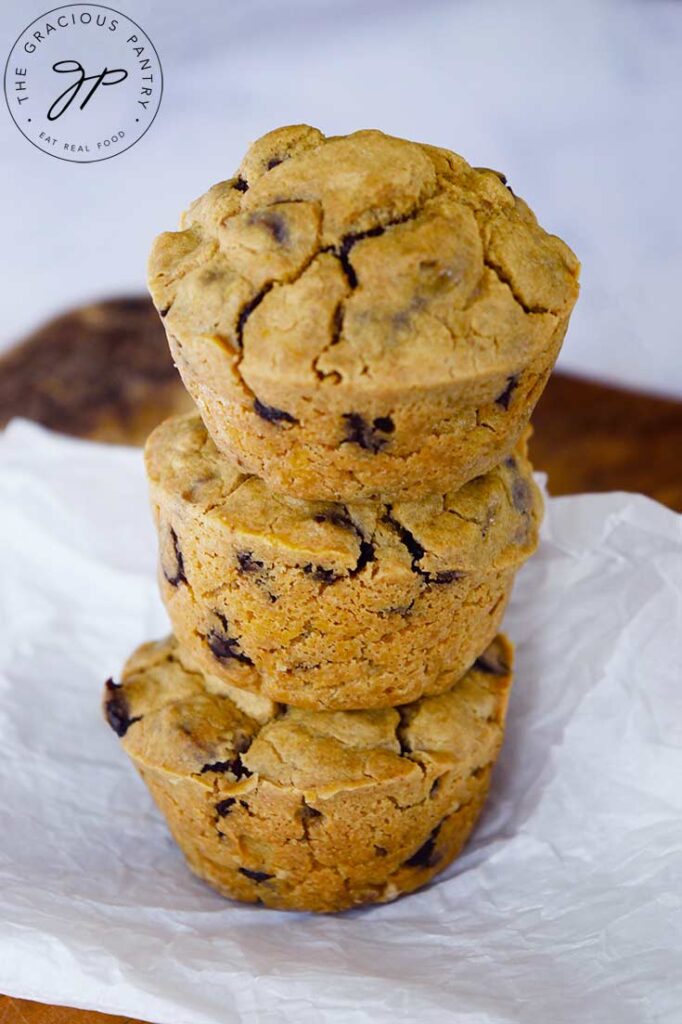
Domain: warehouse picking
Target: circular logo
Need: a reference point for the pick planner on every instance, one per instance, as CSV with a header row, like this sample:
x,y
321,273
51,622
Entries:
x,y
83,82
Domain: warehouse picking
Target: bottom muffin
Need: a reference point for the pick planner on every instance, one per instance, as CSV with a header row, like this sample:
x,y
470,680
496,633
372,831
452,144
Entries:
x,y
310,810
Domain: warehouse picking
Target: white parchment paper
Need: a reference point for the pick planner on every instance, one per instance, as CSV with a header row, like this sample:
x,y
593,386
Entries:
x,y
566,907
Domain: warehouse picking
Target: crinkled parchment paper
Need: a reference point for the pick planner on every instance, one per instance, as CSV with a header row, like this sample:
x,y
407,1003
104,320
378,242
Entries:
x,y
566,906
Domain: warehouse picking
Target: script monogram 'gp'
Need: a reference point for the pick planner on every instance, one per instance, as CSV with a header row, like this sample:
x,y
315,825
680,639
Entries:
x,y
108,76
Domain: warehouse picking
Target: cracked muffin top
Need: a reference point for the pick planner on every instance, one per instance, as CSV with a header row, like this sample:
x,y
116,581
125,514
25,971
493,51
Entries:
x,y
177,720
363,260
487,525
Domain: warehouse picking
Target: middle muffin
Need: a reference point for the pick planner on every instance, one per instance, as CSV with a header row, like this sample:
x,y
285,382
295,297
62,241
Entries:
x,y
328,605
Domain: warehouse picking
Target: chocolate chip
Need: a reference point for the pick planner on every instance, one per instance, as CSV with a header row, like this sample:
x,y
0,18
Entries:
x,y
401,319
179,576
247,310
320,574
233,767
367,552
491,663
274,161
164,312
364,434
240,185
271,414
446,576
425,856
223,807
247,563
522,497
274,223
241,742
256,876
367,555
117,710
336,517
211,274
225,647
385,424
505,398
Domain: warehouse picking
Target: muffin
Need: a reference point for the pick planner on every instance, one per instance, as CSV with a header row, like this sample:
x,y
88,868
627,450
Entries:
x,y
306,810
362,317
325,605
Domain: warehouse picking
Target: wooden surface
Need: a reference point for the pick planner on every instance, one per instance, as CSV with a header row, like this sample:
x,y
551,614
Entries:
x,y
23,1011
589,437
104,372
101,371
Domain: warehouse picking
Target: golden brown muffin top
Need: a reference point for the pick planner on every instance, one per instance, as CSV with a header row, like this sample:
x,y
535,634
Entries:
x,y
489,524
360,257
174,719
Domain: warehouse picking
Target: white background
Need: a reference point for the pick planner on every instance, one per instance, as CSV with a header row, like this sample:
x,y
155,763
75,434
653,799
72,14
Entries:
x,y
580,103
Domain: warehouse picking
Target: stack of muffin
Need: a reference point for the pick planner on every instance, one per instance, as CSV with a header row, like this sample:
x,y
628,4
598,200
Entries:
x,y
365,325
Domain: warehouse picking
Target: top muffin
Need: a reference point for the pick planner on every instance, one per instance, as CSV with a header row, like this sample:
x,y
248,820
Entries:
x,y
360,316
